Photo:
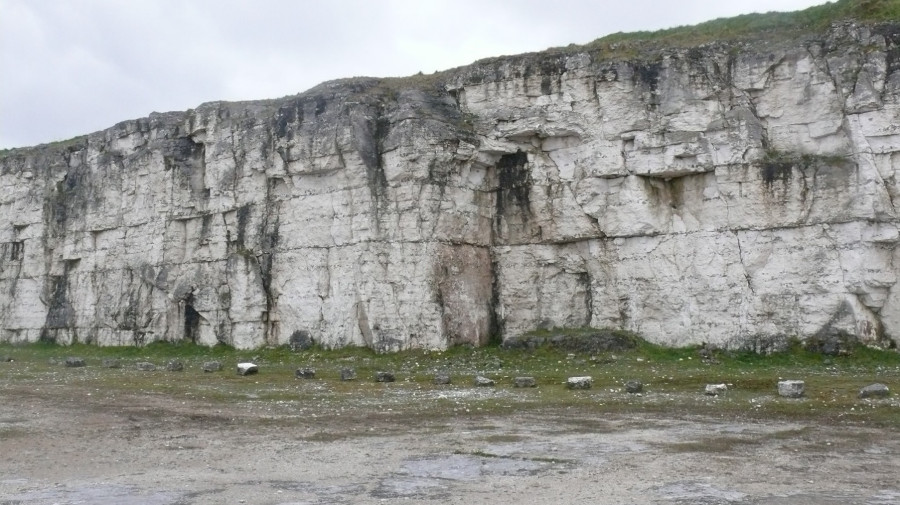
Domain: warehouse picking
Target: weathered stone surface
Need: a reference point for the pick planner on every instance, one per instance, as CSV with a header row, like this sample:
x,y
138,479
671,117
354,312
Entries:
x,y
524,382
791,388
247,369
876,390
384,377
73,362
175,366
715,389
348,374
579,382
212,366
305,373
733,193
482,381
586,340
145,366
634,386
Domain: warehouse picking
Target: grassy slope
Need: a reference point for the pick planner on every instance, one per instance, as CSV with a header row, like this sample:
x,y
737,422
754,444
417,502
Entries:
x,y
759,26
673,379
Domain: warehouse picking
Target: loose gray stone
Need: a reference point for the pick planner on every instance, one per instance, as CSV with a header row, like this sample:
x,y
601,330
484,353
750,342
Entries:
x,y
580,382
247,369
305,373
384,377
876,390
112,363
482,381
6,359
791,388
715,389
145,366
348,374
524,382
73,362
441,378
212,366
634,386
175,366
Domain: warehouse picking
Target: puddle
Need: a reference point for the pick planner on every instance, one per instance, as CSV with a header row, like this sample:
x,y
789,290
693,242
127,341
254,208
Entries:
x,y
586,450
432,477
698,493
884,497
323,494
464,467
95,495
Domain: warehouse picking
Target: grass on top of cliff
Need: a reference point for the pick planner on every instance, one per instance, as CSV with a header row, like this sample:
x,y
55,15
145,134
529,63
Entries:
x,y
673,381
757,26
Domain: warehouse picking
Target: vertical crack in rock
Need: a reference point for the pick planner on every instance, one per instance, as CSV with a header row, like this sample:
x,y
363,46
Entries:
x,y
737,238
585,279
269,236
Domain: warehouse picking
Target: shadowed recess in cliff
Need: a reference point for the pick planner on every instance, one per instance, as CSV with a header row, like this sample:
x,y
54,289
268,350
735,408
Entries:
x,y
513,185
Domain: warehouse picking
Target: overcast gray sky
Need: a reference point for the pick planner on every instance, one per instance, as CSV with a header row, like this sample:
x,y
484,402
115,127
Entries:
x,y
71,67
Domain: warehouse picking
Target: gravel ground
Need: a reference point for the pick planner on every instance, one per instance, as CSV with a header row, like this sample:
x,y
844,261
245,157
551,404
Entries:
x,y
67,444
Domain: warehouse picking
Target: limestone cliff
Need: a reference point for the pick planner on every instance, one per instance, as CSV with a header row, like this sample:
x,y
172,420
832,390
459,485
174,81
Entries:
x,y
732,193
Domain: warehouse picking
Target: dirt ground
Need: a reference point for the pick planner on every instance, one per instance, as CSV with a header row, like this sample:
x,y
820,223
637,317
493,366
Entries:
x,y
65,444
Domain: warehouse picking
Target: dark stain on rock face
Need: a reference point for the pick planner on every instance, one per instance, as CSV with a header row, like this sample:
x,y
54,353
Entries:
x,y
191,319
514,182
648,74
775,170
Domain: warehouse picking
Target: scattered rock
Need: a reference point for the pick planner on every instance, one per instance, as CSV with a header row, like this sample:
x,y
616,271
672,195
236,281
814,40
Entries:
x,y
525,382
145,366
580,382
634,386
305,373
384,377
112,363
348,374
247,369
441,378
175,366
791,388
212,366
73,362
482,381
715,389
876,390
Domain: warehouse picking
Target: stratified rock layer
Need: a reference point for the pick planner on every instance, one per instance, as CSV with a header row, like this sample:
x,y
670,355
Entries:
x,y
733,194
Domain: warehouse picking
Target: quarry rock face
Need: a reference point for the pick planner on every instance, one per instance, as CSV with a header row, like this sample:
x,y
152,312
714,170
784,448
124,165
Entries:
x,y
734,194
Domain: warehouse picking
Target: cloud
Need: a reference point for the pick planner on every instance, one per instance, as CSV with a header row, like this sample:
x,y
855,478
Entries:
x,y
76,66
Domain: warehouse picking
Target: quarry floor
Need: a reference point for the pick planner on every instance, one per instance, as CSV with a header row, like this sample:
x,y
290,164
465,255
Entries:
x,y
70,442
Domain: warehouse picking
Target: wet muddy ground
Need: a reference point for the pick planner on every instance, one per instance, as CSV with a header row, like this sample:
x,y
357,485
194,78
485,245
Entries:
x,y
68,444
